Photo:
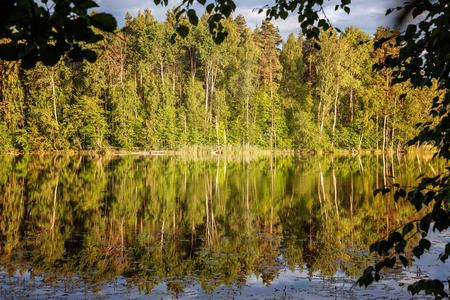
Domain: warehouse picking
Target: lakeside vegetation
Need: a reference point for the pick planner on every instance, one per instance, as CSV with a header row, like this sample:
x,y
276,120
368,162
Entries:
x,y
148,91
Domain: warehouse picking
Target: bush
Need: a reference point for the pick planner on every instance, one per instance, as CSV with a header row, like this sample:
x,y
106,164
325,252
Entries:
x,y
20,140
5,138
346,137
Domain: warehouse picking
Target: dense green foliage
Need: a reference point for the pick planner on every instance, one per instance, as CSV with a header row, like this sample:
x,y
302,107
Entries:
x,y
147,92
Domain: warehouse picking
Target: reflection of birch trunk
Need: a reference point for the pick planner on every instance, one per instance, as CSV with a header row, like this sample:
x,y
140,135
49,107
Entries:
x,y
162,231
351,196
335,193
207,214
217,177
432,169
319,193
419,163
224,168
247,203
246,188
185,178
360,163
55,193
272,192
210,220
310,227
323,194
351,203
174,220
121,237
384,170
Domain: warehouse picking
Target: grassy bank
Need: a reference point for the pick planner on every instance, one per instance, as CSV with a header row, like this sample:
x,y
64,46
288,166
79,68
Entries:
x,y
227,151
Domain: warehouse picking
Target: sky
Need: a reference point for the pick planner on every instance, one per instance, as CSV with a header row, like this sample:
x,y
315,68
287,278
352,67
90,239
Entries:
x,y
366,14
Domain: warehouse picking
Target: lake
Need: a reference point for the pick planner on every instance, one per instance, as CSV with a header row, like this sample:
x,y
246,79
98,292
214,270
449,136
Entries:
x,y
163,227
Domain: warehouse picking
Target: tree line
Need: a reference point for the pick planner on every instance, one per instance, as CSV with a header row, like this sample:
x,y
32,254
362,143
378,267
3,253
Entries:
x,y
150,89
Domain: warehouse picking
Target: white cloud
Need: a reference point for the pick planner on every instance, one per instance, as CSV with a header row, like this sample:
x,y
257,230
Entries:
x,y
367,14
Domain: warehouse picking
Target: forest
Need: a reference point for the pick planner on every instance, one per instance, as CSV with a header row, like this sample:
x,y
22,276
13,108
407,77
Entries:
x,y
150,89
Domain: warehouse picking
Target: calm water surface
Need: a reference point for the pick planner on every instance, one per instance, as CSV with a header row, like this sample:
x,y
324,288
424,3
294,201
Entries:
x,y
146,227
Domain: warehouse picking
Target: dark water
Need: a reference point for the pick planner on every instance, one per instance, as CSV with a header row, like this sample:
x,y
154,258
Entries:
x,y
146,227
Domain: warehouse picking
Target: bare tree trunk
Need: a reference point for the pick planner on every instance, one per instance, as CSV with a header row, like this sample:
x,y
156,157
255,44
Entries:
x,y
335,193
392,138
211,95
191,52
122,60
217,135
351,105
335,114
272,131
174,80
376,123
207,89
246,120
384,132
319,119
54,96
393,124
161,70
55,194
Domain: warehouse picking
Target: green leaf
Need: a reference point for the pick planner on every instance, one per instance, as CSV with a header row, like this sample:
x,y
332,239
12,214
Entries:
x,y
209,8
192,16
400,247
10,51
182,30
418,251
390,262
86,4
425,244
395,237
435,287
89,55
404,260
103,21
444,256
50,55
407,228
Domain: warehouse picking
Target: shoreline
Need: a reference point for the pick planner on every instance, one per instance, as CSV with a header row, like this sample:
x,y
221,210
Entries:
x,y
205,151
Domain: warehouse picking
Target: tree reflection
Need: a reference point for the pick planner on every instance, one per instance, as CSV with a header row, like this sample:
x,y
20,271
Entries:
x,y
214,222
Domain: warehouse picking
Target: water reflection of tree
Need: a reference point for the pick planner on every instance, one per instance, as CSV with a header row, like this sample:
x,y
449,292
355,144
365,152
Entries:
x,y
153,220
